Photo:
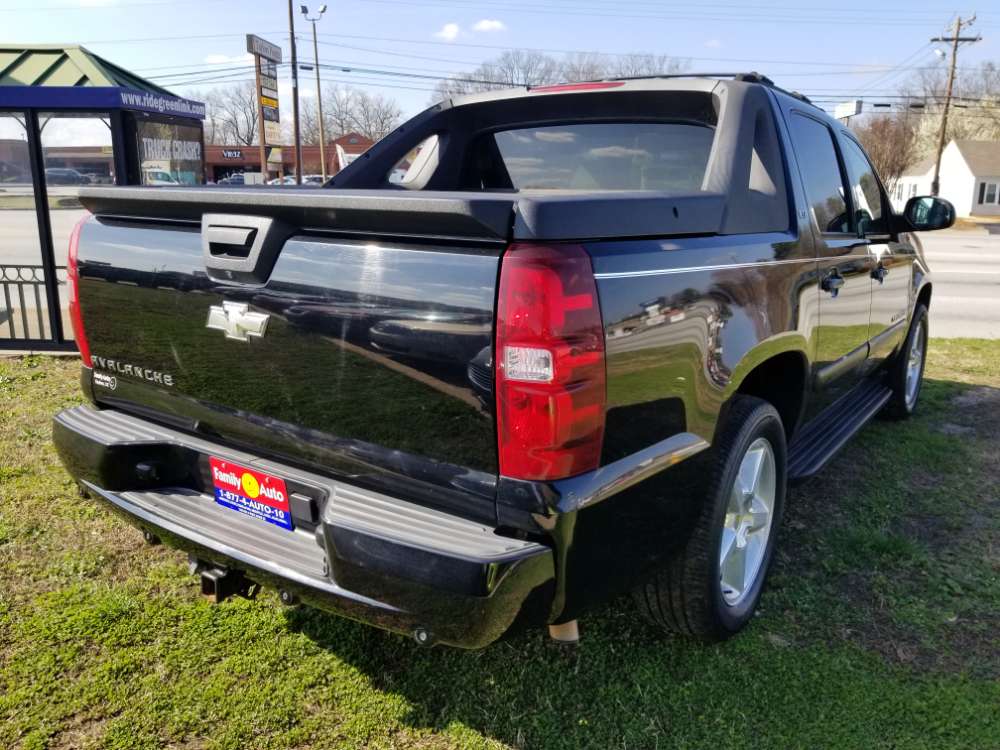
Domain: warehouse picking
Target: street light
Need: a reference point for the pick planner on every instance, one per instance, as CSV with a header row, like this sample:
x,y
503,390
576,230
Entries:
x,y
319,93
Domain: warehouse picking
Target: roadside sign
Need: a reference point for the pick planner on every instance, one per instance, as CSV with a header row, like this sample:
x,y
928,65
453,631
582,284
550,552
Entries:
x,y
263,48
272,132
847,109
267,57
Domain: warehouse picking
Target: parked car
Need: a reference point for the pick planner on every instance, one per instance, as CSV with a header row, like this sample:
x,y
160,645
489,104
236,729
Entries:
x,y
98,178
313,179
13,173
576,352
64,176
158,177
286,180
233,179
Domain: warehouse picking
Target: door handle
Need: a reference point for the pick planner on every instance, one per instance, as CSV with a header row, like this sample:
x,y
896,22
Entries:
x,y
832,283
879,273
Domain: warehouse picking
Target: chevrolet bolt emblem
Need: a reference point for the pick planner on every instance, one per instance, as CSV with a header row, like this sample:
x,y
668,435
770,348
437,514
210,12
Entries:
x,y
235,319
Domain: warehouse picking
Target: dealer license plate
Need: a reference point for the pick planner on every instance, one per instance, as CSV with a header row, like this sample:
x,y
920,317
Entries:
x,y
250,492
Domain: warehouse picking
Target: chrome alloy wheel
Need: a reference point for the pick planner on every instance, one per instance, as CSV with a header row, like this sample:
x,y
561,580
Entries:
x,y
914,365
747,525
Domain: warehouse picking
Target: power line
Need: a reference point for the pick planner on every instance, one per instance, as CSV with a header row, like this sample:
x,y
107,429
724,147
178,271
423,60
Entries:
x,y
956,38
898,68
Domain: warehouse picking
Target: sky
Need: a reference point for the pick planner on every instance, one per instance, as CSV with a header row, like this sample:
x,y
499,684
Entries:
x,y
829,51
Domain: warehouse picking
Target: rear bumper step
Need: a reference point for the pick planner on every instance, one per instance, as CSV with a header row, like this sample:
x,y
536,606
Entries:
x,y
374,558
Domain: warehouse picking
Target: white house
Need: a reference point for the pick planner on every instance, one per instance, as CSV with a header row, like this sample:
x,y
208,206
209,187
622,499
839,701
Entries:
x,y
970,178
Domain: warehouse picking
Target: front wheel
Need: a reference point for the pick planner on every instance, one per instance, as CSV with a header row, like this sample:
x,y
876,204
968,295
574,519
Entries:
x,y
906,375
711,587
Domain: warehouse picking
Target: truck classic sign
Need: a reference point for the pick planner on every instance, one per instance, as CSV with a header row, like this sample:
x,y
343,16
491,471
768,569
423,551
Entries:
x,y
263,48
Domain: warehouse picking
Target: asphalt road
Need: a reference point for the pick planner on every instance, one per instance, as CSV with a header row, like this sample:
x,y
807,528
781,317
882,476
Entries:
x,y
19,235
965,265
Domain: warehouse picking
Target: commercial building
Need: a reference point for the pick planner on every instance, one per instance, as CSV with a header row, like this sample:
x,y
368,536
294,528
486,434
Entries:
x,y
223,161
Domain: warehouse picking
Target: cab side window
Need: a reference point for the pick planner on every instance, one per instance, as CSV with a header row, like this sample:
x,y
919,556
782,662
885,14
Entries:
x,y
821,173
869,208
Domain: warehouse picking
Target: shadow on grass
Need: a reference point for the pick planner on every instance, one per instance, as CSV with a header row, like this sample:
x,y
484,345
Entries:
x,y
879,622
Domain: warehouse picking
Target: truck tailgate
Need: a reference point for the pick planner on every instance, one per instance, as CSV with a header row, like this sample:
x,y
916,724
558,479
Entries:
x,y
363,352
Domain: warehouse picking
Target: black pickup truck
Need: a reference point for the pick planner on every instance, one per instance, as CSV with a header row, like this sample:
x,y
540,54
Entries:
x,y
577,349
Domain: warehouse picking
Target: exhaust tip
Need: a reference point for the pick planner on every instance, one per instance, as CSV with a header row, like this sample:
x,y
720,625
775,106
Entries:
x,y
566,632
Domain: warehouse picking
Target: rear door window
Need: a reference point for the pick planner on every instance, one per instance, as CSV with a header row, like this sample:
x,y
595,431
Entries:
x,y
821,173
665,156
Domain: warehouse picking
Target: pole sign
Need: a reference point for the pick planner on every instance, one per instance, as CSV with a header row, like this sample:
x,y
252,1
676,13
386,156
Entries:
x,y
847,109
263,48
267,57
267,92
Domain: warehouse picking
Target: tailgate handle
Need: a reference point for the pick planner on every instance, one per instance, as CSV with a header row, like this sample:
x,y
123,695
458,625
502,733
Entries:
x,y
229,240
241,249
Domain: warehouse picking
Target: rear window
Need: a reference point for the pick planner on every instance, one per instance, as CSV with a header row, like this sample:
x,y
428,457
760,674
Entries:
x,y
670,157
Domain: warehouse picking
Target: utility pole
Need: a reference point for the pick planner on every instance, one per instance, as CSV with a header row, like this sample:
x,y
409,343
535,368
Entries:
x,y
319,93
295,97
955,39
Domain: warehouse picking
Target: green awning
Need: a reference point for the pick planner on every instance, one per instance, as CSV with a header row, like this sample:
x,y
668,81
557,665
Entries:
x,y
61,65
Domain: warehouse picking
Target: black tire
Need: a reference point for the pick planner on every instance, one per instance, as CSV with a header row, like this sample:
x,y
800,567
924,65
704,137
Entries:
x,y
685,595
902,403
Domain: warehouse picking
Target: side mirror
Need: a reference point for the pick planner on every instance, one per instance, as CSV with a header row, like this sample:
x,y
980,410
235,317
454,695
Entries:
x,y
925,213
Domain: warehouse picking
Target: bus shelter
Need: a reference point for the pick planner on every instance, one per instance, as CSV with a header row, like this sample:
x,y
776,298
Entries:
x,y
69,118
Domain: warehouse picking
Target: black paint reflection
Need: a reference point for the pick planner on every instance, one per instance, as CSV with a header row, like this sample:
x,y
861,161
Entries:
x,y
365,363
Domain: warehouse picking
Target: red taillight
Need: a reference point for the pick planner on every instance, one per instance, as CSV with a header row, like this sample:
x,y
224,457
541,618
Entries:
x,y
550,363
73,278
586,86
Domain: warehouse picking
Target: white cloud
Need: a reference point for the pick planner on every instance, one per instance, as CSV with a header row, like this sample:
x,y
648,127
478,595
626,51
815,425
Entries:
x,y
713,44
555,136
449,32
229,59
489,24
616,152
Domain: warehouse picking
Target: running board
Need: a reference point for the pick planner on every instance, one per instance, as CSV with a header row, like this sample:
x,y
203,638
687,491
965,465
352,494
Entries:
x,y
820,440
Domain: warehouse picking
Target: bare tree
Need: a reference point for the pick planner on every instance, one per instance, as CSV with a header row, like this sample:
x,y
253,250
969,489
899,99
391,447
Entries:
x,y
374,116
584,66
209,125
975,113
532,68
338,108
347,110
511,68
308,122
647,64
891,142
231,115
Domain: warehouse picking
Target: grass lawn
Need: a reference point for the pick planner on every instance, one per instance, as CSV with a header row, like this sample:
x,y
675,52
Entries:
x,y
880,627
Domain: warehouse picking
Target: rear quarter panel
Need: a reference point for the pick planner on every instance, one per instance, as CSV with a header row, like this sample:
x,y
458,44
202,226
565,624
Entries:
x,y
686,320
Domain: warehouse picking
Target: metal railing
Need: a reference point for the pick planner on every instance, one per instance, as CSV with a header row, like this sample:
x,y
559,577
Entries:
x,y
24,313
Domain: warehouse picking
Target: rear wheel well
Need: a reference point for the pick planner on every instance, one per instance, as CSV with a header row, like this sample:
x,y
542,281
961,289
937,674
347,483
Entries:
x,y
781,381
